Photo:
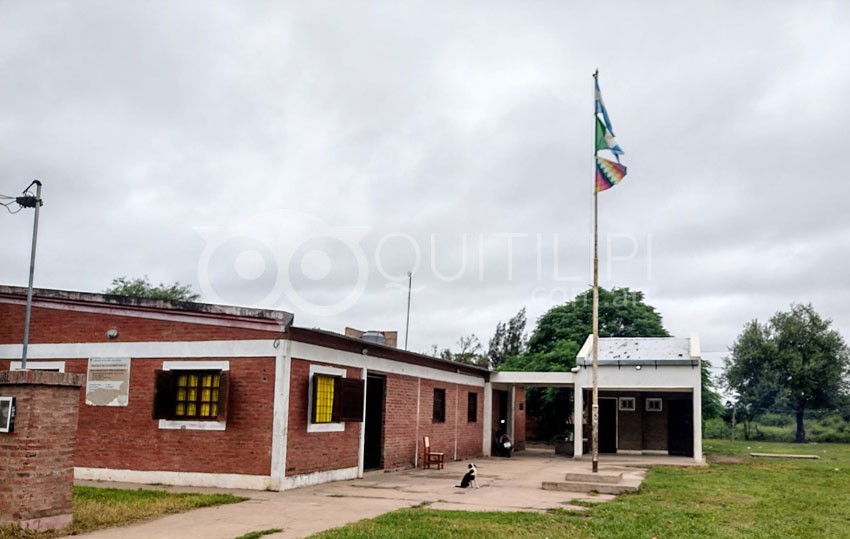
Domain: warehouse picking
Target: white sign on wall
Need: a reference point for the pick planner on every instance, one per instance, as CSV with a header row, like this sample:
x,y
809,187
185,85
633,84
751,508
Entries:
x,y
108,381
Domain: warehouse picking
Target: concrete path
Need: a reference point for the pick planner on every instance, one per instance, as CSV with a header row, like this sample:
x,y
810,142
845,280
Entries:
x,y
507,484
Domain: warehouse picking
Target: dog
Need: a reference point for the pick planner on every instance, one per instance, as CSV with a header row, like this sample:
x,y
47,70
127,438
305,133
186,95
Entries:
x,y
470,477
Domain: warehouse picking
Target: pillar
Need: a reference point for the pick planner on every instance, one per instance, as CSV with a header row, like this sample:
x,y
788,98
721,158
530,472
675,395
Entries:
x,y
37,475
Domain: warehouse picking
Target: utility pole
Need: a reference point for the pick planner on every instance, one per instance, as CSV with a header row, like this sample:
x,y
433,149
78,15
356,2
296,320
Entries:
x,y
29,201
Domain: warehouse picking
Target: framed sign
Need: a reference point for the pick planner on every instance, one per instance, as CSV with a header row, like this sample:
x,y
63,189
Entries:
x,y
108,381
7,414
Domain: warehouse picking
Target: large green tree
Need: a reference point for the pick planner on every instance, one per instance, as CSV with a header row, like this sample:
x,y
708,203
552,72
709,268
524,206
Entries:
x,y
795,360
141,287
622,313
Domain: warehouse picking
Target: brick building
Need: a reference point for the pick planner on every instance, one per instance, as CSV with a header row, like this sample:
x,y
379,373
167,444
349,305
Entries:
x,y
208,395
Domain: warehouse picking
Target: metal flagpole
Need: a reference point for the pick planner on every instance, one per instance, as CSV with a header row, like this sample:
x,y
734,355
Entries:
x,y
594,415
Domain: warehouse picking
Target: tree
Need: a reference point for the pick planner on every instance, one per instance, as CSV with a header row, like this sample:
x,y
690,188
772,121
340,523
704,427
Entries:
x,y
142,288
508,340
470,351
622,313
795,360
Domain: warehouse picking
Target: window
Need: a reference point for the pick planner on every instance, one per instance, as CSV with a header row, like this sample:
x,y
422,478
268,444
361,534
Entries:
x,y
439,406
333,399
472,407
189,395
653,405
324,391
7,414
627,404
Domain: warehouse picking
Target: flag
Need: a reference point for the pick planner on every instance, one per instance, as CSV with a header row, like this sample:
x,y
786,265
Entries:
x,y
600,107
608,174
605,139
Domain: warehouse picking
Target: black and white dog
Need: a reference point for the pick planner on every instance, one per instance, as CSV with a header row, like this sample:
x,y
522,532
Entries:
x,y
470,477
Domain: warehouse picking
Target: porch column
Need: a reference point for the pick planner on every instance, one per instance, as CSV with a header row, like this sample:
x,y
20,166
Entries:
x,y
487,435
511,415
578,421
697,394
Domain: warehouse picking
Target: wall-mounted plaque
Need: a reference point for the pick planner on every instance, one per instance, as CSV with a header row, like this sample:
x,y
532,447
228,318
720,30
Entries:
x,y
108,381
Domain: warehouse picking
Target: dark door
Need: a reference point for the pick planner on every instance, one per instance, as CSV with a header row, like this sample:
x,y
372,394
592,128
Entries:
x,y
607,425
373,444
680,427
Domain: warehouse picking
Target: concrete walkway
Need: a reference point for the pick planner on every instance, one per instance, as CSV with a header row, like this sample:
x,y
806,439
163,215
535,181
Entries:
x,y
507,484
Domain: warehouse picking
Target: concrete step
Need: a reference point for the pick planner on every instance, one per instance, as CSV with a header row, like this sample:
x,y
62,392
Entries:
x,y
585,486
610,478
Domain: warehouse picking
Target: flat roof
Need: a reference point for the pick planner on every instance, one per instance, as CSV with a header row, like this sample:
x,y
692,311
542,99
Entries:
x,y
616,350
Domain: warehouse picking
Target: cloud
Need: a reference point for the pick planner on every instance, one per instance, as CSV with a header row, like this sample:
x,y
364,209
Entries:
x,y
456,137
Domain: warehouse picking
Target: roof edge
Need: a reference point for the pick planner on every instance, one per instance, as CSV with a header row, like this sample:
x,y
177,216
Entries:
x,y
135,303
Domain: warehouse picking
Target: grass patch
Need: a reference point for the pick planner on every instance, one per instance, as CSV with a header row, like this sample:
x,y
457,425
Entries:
x,y
257,535
96,508
736,496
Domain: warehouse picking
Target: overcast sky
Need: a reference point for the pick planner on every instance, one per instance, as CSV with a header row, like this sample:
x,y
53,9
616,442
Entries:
x,y
306,156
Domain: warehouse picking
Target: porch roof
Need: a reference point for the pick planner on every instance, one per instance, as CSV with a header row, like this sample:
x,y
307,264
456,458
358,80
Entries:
x,y
530,379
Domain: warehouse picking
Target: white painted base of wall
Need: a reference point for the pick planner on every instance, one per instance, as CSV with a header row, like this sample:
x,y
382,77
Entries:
x,y
655,452
317,478
181,479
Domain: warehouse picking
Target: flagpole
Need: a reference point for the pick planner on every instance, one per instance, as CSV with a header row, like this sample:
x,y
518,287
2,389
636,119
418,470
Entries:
x,y
595,400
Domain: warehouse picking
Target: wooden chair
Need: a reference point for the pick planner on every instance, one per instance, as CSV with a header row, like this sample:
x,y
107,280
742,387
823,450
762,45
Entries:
x,y
429,457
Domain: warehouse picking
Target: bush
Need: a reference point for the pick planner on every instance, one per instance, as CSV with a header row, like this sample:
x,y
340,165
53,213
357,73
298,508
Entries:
x,y
776,420
716,428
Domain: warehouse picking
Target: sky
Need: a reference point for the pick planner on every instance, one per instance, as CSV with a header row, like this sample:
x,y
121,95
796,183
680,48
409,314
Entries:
x,y
305,156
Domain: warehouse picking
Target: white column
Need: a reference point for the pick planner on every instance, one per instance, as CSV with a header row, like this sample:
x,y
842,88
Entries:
x,y
698,415
509,428
578,423
487,435
280,413
361,452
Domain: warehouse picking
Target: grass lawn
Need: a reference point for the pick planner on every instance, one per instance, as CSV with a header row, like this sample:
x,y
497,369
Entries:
x,y
96,508
736,496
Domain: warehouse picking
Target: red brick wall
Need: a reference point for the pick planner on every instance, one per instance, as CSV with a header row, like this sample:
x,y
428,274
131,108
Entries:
x,y
403,435
519,419
399,444
457,438
654,423
308,452
630,424
37,474
57,326
128,438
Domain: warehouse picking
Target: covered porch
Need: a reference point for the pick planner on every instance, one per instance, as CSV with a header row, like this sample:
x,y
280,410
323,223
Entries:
x,y
649,398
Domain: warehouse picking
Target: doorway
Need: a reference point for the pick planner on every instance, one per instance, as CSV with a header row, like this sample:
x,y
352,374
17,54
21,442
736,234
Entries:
x,y
680,427
607,425
373,445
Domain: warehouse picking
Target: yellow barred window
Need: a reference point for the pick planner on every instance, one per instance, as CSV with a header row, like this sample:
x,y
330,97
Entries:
x,y
197,395
324,399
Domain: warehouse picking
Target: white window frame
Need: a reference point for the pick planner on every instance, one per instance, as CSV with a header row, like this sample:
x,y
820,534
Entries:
x,y
627,404
173,424
8,424
653,400
322,427
38,365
